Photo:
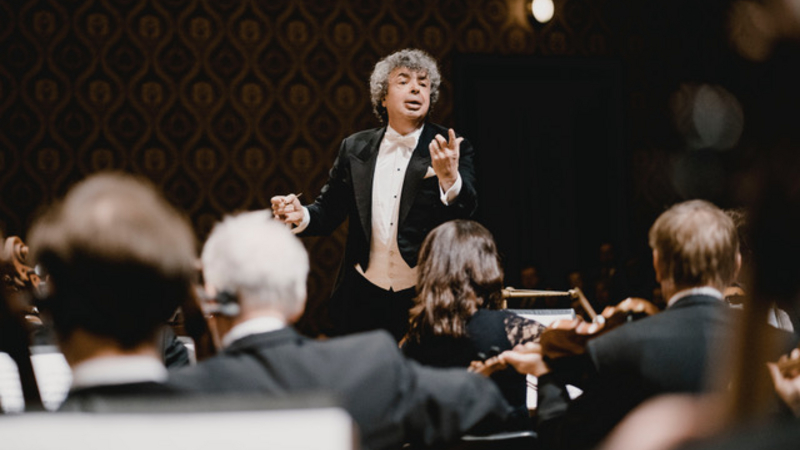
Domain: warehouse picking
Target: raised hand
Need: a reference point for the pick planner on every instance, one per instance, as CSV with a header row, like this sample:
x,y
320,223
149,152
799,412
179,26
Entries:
x,y
444,158
287,208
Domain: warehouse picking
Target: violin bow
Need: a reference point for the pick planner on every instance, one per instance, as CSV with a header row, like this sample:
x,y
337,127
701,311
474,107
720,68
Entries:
x,y
574,293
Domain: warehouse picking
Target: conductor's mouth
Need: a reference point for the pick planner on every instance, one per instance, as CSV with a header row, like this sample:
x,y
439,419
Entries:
x,y
413,105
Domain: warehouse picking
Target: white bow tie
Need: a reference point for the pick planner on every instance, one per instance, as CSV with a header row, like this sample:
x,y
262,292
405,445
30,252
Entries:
x,y
408,141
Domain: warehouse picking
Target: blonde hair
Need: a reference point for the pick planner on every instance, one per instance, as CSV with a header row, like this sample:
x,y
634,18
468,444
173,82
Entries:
x,y
697,244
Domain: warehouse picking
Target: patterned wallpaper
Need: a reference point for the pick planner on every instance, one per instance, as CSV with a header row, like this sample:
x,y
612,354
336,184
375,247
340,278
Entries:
x,y
224,103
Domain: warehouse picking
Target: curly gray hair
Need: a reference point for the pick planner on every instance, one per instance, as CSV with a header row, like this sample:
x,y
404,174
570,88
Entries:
x,y
414,59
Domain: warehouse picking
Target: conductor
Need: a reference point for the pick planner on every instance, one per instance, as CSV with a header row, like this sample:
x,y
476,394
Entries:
x,y
394,184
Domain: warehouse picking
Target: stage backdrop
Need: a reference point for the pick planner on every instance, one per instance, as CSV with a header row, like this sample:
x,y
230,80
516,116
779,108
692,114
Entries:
x,y
225,103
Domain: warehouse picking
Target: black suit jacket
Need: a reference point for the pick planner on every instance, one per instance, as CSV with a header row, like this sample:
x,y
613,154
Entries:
x,y
666,353
98,398
348,194
393,400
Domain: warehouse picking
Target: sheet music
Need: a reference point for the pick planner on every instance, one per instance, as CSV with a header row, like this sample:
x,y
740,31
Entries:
x,y
302,429
53,377
10,387
545,317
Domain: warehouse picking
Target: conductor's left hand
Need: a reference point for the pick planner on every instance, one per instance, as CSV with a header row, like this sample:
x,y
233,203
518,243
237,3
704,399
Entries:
x,y
444,158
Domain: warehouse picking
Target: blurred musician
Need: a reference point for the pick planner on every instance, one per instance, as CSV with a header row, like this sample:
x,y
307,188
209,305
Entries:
x,y
456,318
258,264
120,260
695,255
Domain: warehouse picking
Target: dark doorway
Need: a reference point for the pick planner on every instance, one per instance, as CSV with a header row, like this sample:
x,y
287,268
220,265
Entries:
x,y
550,158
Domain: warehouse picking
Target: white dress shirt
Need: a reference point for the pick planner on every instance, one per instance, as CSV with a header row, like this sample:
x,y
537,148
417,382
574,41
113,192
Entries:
x,y
111,370
387,268
704,290
253,326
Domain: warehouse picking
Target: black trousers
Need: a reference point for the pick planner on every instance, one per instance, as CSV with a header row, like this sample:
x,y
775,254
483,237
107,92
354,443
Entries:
x,y
358,305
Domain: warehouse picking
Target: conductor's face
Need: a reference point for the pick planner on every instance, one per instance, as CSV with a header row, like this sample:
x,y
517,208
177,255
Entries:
x,y
407,99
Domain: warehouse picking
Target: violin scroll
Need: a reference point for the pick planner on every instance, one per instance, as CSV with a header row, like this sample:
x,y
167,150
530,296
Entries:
x,y
15,316
16,274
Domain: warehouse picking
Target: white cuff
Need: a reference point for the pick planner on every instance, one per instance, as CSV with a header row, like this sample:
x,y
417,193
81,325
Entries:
x,y
452,193
306,220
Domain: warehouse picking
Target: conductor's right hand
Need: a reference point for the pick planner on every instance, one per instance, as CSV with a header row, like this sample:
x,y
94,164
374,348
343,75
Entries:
x,y
287,209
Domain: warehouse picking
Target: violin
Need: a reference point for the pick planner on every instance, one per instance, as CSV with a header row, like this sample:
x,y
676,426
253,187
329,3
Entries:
x,y
196,322
564,338
568,337
18,280
17,276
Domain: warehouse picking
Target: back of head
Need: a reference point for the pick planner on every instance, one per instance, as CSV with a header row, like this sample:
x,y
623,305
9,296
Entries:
x,y
260,261
119,257
459,272
697,245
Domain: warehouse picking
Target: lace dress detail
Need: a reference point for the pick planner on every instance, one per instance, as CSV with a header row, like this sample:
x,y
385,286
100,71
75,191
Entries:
x,y
521,330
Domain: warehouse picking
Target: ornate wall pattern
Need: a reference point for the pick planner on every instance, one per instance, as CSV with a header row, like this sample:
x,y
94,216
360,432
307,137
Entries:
x,y
224,103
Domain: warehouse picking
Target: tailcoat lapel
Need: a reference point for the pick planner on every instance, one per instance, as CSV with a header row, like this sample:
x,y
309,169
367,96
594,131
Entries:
x,y
362,166
415,173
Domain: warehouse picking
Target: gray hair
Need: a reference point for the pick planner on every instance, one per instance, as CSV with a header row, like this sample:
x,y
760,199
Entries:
x,y
414,59
258,259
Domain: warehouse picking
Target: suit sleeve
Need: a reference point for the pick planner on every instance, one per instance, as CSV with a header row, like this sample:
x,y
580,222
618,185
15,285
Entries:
x,y
332,205
443,404
575,424
607,395
465,204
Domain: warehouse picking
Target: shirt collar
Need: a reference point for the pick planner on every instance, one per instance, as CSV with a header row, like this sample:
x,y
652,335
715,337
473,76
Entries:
x,y
253,326
704,290
125,369
412,138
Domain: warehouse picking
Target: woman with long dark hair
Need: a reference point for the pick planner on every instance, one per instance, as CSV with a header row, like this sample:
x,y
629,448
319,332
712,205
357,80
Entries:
x,y
456,317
